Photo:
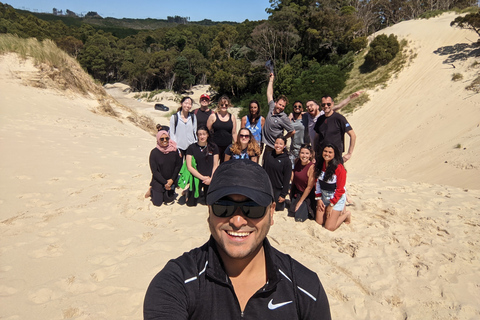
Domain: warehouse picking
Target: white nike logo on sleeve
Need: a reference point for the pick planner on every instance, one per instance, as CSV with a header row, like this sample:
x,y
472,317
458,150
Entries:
x,y
273,306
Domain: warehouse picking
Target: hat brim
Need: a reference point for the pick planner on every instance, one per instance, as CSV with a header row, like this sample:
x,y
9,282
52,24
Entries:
x,y
262,198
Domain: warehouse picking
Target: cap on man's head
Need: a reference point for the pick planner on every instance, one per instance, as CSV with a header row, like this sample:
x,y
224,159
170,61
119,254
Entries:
x,y
205,96
243,177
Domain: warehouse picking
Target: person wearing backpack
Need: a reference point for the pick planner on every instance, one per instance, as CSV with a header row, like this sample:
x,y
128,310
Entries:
x,y
183,125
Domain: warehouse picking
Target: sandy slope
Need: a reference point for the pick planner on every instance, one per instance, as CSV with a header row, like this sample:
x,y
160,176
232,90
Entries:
x,y
411,129
78,241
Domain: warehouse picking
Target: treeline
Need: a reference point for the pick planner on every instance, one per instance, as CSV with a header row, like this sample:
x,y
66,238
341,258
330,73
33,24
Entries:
x,y
312,44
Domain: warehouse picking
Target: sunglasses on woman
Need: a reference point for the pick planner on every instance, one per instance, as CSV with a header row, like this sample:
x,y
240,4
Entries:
x,y
244,135
165,139
226,209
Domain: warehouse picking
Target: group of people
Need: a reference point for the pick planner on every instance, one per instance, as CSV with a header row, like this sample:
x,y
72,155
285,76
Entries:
x,y
237,273
311,172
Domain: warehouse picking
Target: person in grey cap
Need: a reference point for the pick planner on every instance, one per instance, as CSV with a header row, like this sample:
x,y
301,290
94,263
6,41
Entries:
x,y
237,274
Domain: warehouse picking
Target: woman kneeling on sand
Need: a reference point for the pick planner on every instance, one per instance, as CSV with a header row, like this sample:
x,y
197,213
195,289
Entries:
x,y
165,163
330,190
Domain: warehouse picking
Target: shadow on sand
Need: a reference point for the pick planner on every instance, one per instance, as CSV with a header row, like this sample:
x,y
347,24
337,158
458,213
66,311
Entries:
x,y
459,51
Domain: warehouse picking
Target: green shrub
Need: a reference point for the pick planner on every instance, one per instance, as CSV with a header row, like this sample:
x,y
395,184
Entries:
x,y
457,77
382,50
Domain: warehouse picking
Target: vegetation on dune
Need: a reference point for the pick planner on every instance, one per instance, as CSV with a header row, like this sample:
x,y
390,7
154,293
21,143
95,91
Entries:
x,y
314,46
60,71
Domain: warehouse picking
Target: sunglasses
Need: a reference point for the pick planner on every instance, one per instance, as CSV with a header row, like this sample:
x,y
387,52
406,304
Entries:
x,y
297,107
244,135
326,104
164,139
226,209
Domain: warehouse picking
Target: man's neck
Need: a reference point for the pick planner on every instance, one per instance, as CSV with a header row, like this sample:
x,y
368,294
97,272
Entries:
x,y
237,268
329,114
204,108
247,275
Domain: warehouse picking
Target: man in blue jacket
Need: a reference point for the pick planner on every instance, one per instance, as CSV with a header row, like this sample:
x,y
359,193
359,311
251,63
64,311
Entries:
x,y
237,274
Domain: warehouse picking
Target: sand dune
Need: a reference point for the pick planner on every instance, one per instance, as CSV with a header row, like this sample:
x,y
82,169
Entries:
x,y
79,241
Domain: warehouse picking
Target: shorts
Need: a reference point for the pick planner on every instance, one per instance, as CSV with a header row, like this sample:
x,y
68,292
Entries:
x,y
327,195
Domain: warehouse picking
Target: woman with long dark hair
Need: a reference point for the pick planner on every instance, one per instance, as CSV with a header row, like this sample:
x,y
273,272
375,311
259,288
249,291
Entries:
x,y
165,163
330,189
202,161
303,184
183,125
279,169
254,122
244,148
223,126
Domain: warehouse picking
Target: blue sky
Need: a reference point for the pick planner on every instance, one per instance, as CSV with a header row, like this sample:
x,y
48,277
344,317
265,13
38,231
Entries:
x,y
216,10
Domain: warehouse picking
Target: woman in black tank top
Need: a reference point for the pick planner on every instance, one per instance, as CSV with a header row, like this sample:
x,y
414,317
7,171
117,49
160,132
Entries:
x,y
222,125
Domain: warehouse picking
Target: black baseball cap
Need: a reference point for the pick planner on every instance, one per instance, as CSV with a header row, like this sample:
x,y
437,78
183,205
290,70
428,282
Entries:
x,y
243,177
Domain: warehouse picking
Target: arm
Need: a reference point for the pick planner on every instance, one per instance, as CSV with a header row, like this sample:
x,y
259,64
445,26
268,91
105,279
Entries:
x,y
244,122
341,174
234,129
353,139
315,146
263,122
287,173
227,157
290,134
172,128
178,166
310,185
210,121
166,297
193,171
270,88
346,101
216,160
154,163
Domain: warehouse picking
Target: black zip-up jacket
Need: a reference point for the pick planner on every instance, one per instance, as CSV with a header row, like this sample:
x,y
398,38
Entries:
x,y
279,170
195,286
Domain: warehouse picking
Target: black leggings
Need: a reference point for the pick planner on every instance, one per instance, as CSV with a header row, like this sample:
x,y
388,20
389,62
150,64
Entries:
x,y
160,197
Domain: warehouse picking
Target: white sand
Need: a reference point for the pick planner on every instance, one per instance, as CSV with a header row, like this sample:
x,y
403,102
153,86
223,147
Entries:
x,y
78,241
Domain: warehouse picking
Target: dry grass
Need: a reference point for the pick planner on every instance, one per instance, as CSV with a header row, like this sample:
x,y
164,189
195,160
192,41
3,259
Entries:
x,y
59,71
377,78
457,76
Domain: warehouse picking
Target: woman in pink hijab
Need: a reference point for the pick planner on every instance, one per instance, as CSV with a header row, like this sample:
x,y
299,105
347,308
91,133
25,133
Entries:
x,y
165,163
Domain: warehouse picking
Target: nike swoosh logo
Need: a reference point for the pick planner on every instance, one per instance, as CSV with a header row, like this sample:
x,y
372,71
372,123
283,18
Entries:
x,y
273,306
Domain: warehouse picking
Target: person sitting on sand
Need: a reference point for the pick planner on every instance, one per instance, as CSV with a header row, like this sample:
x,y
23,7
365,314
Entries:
x,y
165,163
330,189
237,274
244,148
279,169
303,185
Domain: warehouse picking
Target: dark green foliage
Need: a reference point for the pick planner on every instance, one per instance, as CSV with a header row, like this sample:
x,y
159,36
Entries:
x,y
470,21
382,50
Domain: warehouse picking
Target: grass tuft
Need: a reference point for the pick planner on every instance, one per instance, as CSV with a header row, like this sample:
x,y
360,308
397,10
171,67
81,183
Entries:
x,y
457,76
57,70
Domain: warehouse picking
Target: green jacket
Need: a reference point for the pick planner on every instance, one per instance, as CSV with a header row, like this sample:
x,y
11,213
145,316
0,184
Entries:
x,y
187,178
